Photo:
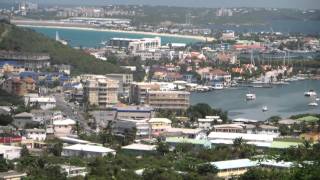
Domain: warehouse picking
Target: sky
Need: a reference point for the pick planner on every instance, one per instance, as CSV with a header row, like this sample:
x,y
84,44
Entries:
x,y
301,4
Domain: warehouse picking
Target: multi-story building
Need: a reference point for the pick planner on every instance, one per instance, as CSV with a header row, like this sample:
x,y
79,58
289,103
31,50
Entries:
x,y
30,61
124,83
155,55
134,45
19,86
171,100
138,91
36,134
100,91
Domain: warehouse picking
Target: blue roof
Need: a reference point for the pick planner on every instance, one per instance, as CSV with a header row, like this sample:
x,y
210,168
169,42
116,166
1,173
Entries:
x,y
233,164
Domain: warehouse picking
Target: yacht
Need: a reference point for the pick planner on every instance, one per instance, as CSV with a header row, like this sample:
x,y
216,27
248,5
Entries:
x,y
310,93
264,108
251,96
313,104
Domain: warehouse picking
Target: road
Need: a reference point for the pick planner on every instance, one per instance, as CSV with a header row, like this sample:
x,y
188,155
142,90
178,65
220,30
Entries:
x,y
72,111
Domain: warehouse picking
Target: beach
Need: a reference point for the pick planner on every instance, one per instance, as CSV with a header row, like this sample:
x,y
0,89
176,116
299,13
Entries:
x,y
62,25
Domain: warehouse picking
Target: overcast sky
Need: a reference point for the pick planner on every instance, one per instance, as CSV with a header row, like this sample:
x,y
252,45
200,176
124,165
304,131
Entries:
x,y
302,4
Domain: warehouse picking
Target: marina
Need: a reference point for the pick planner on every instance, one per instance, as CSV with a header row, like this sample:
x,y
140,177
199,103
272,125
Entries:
x,y
280,100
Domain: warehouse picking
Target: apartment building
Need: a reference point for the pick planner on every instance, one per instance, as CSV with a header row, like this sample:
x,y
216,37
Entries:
x,y
134,45
100,91
124,81
171,100
19,86
139,90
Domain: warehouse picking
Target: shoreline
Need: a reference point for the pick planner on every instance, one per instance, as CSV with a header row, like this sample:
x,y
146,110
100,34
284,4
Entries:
x,y
83,28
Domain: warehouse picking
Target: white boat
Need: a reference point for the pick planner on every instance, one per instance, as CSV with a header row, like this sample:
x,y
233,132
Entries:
x,y
264,108
217,86
317,99
310,93
313,104
251,96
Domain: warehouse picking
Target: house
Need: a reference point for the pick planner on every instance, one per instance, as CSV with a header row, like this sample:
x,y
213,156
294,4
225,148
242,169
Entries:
x,y
186,133
207,122
174,141
9,152
142,127
230,128
19,87
231,168
267,129
63,127
134,112
23,119
86,150
260,140
74,171
44,103
138,149
36,134
12,175
159,125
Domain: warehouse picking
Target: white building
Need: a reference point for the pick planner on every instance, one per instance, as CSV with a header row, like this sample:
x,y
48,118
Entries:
x,y
36,134
86,150
73,171
206,123
10,152
44,103
63,127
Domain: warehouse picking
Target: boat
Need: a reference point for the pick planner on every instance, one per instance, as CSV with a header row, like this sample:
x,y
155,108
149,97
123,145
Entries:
x,y
317,99
310,93
313,104
264,108
251,96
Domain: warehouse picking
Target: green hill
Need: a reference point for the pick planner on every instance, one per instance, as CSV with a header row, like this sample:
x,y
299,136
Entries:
x,y
20,39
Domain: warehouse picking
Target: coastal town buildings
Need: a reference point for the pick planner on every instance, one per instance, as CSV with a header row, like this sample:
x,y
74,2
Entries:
x,y
139,91
125,81
86,150
170,100
100,91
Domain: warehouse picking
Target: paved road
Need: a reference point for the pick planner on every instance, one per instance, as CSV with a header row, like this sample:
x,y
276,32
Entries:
x,y
72,111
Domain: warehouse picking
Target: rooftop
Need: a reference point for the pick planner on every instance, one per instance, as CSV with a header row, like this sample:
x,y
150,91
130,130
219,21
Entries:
x,y
24,114
64,122
140,147
89,148
160,120
244,136
233,164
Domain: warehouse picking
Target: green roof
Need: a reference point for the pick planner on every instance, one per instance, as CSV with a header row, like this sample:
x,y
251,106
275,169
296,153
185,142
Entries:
x,y
177,140
284,144
308,119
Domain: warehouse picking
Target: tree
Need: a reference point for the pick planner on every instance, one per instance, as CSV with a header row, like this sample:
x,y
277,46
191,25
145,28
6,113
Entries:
x,y
162,148
205,169
3,165
160,174
5,119
57,149
24,151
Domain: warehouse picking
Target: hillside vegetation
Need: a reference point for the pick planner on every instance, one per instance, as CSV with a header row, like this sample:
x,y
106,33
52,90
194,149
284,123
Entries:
x,y
20,39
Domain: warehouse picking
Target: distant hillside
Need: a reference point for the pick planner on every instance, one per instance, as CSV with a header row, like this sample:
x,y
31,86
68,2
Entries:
x,y
25,40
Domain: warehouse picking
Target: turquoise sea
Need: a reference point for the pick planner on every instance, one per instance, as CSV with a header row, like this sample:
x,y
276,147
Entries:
x,y
89,38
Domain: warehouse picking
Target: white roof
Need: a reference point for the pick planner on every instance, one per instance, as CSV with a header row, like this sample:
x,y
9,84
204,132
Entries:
x,y
43,99
141,147
244,136
233,164
273,163
74,140
184,130
205,120
89,148
160,120
243,120
212,117
64,122
5,148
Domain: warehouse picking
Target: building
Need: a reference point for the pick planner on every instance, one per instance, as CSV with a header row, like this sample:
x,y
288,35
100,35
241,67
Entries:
x,y
18,86
44,103
228,35
230,128
134,45
23,119
154,55
139,90
36,134
159,125
86,150
30,61
170,100
9,152
100,91
63,127
142,128
134,112
207,122
202,143
73,171
231,168
138,149
125,81
12,175
185,133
